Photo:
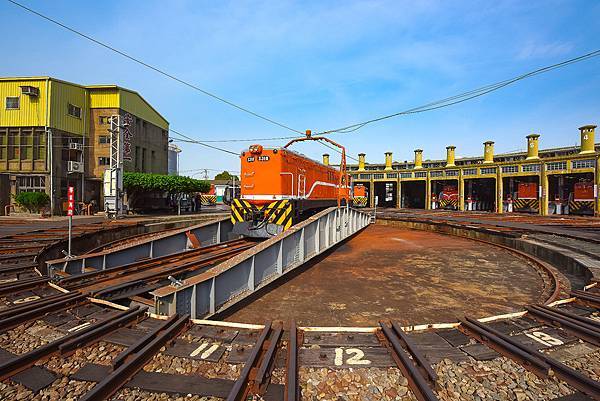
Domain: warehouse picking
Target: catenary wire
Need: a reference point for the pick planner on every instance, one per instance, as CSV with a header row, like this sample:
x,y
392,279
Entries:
x,y
463,97
156,69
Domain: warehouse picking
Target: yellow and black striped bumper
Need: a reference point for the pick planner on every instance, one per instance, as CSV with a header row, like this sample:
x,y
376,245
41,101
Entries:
x,y
525,204
359,201
449,203
208,200
279,212
581,206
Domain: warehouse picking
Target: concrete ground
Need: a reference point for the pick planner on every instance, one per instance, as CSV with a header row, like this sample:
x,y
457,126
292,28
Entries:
x,y
412,276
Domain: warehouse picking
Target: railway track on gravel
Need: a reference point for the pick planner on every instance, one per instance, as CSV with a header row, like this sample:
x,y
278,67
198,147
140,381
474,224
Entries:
x,y
138,278
105,352
61,342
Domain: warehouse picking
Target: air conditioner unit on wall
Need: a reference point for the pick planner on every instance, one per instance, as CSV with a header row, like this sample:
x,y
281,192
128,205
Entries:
x,y
30,90
75,167
76,146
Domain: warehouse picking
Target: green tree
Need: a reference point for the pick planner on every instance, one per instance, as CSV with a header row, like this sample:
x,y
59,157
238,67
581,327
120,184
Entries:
x,y
176,185
225,175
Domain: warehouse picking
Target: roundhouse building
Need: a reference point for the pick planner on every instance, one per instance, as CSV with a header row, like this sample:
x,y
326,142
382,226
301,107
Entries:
x,y
54,134
551,181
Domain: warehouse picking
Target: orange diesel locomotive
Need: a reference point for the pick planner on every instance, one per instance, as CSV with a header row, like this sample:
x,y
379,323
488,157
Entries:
x,y
279,187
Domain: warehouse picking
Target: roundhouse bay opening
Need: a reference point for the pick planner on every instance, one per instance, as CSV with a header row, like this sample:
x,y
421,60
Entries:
x,y
386,193
444,194
480,194
571,193
413,194
521,194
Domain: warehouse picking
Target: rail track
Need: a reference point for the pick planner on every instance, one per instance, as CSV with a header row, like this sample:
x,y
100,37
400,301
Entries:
x,y
59,341
168,355
138,278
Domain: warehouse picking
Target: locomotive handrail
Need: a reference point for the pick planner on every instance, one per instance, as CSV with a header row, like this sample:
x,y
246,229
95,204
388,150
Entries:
x,y
343,179
292,174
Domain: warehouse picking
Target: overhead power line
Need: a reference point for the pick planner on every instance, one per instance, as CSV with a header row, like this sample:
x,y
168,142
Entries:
x,y
192,140
438,104
156,69
463,97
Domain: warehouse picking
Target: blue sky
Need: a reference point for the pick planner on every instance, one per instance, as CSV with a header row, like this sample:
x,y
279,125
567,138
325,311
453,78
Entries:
x,y
322,64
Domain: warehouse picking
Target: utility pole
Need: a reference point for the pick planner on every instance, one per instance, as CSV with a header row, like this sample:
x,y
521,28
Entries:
x,y
113,177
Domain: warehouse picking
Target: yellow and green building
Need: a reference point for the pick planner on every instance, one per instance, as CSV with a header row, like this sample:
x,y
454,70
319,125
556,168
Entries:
x,y
54,134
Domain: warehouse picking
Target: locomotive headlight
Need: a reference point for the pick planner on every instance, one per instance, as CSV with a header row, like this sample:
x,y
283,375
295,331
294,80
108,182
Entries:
x,y
274,151
256,149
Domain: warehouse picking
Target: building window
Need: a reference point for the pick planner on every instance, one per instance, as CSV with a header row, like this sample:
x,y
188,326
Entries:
x,y
436,173
104,139
104,161
27,183
576,164
470,171
527,168
12,103
405,175
74,111
377,176
421,174
392,175
451,173
556,166
365,176
103,120
488,170
510,169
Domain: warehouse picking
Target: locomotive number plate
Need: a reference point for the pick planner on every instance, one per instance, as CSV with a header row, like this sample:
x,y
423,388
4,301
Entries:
x,y
250,159
263,158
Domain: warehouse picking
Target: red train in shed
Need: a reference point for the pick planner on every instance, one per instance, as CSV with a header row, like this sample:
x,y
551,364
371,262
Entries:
x,y
279,187
581,200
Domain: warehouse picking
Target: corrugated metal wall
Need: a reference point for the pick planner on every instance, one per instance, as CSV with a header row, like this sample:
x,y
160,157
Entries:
x,y
101,98
133,103
31,111
61,95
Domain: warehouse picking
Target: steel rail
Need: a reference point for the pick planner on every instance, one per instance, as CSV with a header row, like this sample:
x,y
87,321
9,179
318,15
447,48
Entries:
x,y
26,307
417,382
291,371
422,363
15,286
241,385
580,329
164,272
133,359
194,257
70,342
146,263
587,298
34,310
263,373
540,364
573,316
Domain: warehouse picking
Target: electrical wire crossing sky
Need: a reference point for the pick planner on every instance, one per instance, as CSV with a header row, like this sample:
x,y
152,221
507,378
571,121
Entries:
x,y
229,74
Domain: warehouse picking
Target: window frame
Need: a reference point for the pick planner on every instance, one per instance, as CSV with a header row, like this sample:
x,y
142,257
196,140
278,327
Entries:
x,y
69,106
12,97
